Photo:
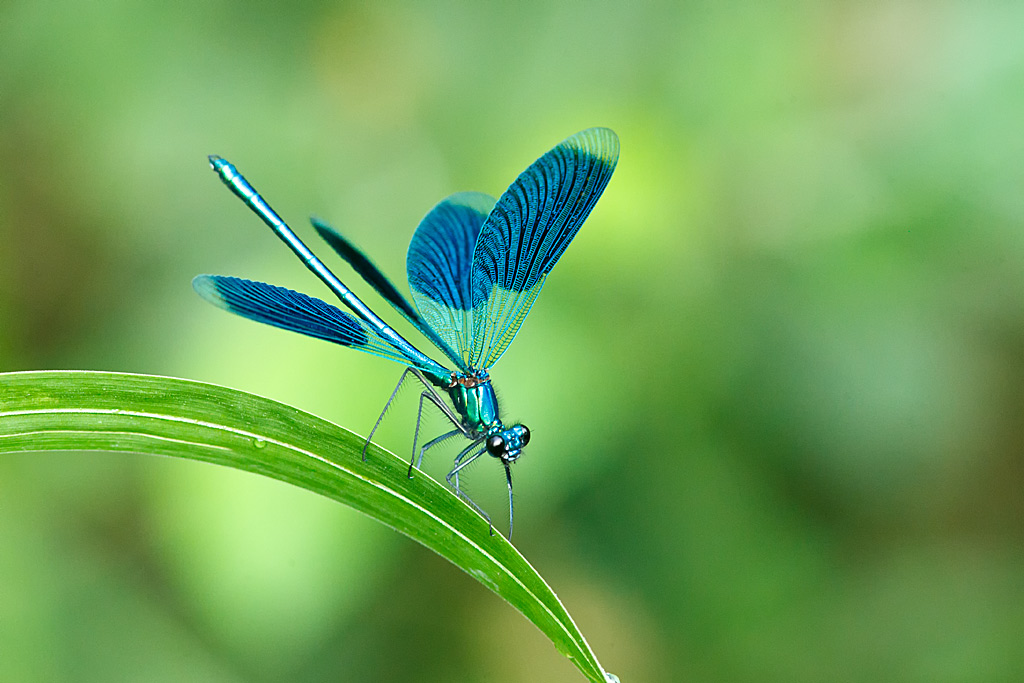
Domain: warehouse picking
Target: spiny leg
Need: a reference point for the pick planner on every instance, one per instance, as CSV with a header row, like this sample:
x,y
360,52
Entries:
x,y
432,396
401,380
508,478
405,373
458,459
418,462
459,465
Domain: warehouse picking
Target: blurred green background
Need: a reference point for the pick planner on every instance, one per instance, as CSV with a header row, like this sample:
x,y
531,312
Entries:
x,y
775,385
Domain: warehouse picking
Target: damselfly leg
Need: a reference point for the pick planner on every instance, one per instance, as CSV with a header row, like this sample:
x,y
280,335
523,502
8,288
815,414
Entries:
x,y
435,399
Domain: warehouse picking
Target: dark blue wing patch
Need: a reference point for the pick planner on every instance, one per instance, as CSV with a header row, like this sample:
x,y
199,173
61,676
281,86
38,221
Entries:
x,y
369,271
440,262
529,229
294,311
366,268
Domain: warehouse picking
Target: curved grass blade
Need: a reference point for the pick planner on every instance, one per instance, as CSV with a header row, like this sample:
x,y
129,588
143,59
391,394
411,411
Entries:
x,y
105,411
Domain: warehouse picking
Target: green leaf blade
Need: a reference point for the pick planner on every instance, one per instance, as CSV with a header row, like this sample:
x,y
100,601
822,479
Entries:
x,y
101,411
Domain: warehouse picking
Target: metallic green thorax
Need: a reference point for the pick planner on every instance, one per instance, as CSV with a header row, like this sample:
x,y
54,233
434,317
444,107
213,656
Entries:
x,y
475,401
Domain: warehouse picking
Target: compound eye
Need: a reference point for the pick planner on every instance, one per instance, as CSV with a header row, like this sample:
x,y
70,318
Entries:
x,y
496,445
525,438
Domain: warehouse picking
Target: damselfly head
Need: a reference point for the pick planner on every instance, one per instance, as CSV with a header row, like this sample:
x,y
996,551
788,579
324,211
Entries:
x,y
508,444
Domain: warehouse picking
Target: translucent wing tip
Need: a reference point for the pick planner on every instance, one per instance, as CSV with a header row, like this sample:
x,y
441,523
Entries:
x,y
479,202
206,287
222,290
601,143
201,283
